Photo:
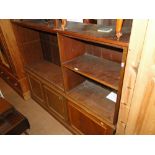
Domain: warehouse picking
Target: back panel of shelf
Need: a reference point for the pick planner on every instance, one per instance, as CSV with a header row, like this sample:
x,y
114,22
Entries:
x,y
40,53
36,45
50,49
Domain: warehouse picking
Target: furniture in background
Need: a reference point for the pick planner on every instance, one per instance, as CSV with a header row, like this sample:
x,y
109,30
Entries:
x,y
12,122
90,21
11,66
111,22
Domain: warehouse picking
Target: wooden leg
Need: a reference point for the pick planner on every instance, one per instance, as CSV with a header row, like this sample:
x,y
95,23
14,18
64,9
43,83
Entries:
x,y
119,23
63,24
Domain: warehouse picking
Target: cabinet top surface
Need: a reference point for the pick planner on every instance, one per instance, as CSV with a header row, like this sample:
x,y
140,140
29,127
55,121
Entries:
x,y
80,30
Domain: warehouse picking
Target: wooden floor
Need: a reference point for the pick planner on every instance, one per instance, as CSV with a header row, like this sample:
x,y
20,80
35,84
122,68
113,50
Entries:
x,y
41,122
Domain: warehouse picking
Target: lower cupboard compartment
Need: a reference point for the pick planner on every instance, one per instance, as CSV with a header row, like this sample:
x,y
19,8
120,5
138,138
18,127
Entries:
x,y
36,89
82,122
79,121
55,102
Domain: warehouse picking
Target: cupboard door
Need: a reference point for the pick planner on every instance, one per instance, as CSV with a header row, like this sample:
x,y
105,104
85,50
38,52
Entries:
x,y
36,89
56,103
86,125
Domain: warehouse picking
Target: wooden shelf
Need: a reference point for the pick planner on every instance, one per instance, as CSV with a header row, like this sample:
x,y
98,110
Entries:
x,y
90,32
48,71
99,69
80,30
93,97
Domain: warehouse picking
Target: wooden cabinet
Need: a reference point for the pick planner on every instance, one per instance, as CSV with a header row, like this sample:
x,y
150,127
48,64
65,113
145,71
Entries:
x,y
77,65
11,66
48,97
56,103
92,70
84,123
36,89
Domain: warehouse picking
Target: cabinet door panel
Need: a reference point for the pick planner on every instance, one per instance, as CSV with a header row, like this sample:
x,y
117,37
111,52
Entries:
x,y
85,124
55,102
36,89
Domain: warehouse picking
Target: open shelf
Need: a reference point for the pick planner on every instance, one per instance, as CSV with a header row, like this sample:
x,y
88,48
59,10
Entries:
x,y
99,69
79,64
93,97
48,71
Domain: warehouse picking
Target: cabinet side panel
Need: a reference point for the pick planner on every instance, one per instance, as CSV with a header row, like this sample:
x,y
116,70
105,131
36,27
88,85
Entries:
x,y
70,48
29,44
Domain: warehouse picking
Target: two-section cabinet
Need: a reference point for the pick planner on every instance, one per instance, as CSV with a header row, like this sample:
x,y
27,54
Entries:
x,y
75,74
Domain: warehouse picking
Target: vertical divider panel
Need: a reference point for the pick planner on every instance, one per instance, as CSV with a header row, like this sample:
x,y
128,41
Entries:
x,y
70,48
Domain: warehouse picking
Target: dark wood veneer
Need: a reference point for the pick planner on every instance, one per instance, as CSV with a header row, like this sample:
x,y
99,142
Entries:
x,y
78,66
82,121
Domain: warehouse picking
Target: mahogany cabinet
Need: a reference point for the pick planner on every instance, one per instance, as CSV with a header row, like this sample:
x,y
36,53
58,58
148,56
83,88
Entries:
x,y
72,72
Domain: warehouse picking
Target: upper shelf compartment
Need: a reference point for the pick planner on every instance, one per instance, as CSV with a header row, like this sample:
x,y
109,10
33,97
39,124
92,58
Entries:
x,y
96,61
99,69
